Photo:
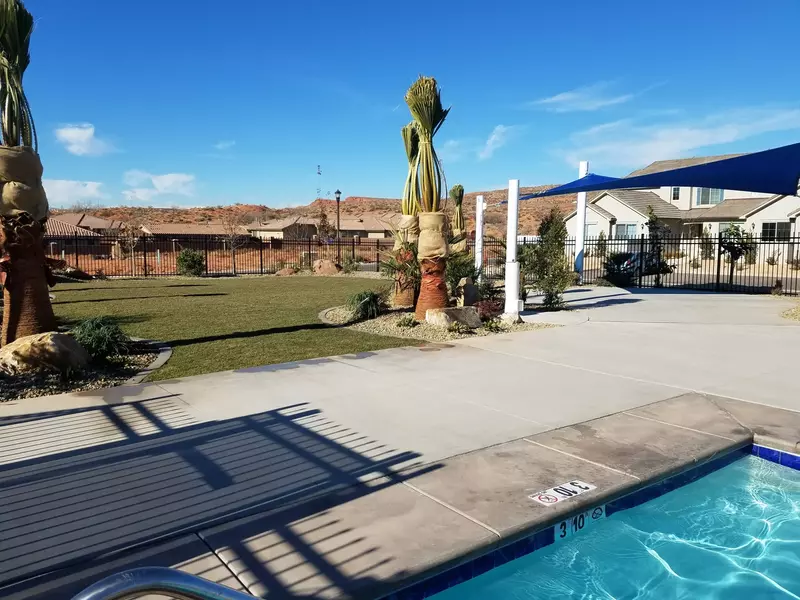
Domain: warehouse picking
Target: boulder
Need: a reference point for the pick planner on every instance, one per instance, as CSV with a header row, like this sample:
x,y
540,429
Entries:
x,y
51,351
467,292
444,317
326,266
287,271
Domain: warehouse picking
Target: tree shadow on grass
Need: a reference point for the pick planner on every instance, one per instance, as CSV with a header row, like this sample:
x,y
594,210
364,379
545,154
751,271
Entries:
x,y
95,491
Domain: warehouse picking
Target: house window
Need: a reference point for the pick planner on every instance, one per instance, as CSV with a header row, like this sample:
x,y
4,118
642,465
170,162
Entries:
x,y
708,196
625,231
676,194
776,231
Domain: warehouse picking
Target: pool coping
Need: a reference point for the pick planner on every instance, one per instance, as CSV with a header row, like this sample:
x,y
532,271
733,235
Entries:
x,y
759,442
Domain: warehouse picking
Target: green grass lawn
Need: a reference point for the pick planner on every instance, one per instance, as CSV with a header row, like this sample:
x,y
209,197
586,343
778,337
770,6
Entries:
x,y
221,324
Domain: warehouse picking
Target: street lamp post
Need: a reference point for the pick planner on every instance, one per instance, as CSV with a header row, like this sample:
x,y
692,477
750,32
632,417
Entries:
x,y
338,195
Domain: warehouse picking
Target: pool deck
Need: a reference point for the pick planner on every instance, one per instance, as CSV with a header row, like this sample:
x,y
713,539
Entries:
x,y
385,523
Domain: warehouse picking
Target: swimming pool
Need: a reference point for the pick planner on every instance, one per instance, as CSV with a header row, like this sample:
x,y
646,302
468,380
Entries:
x,y
732,534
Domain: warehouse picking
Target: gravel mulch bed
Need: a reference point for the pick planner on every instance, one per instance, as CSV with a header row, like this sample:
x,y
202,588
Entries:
x,y
793,313
17,387
386,324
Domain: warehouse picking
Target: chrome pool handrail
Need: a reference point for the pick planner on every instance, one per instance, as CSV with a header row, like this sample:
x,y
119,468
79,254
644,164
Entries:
x,y
158,580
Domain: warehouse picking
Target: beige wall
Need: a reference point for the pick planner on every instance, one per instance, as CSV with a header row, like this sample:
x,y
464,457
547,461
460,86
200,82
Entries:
x,y
777,211
595,223
373,235
624,214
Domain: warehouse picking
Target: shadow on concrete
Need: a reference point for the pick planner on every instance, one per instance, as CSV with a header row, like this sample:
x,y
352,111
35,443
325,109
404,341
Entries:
x,y
71,514
94,300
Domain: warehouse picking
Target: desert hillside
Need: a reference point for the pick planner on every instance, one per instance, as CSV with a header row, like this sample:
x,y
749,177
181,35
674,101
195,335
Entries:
x,y
531,211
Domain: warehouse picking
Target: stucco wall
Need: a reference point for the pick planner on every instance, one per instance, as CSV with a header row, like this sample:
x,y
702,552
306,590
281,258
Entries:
x,y
777,211
624,214
595,223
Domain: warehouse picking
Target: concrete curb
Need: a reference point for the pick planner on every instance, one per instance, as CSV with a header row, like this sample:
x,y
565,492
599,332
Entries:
x,y
164,354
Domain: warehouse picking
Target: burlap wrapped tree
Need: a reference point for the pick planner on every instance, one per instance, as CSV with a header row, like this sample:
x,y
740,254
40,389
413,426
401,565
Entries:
x,y
407,233
458,227
425,103
23,203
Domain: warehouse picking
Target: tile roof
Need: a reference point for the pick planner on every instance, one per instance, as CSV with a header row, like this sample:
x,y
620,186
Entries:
x,y
280,224
735,208
639,200
367,222
677,163
794,213
187,229
88,221
55,227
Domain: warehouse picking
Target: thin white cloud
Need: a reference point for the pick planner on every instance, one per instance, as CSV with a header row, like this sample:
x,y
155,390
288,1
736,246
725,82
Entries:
x,y
499,137
587,98
64,192
451,151
225,144
80,139
145,186
630,143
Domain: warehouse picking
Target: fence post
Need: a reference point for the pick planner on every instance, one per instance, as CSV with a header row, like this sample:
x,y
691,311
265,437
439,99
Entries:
x,y
719,261
75,235
377,254
641,259
261,255
353,249
205,250
144,250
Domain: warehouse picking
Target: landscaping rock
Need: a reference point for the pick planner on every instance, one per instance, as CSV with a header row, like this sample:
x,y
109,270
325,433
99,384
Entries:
x,y
43,352
325,266
467,292
287,271
444,317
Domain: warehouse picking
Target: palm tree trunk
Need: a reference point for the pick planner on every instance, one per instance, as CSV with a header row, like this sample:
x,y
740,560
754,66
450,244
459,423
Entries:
x,y
433,289
26,300
26,294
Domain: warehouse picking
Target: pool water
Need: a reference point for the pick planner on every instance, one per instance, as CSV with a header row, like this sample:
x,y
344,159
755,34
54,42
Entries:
x,y
733,534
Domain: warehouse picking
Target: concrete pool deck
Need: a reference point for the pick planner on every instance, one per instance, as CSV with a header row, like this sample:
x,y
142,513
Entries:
x,y
320,478
381,526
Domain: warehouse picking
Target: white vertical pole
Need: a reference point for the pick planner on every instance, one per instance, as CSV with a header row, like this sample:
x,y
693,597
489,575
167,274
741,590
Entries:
x,y
580,232
479,234
511,314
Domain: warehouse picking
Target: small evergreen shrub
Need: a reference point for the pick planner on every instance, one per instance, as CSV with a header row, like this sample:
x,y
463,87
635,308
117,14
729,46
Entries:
x,y
102,338
494,326
367,304
407,321
695,264
191,263
459,328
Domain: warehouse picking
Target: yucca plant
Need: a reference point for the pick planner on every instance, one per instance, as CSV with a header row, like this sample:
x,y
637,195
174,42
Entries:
x,y
425,103
411,188
458,226
23,203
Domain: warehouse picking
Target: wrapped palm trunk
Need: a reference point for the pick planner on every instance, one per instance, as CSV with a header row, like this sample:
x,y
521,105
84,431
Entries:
x,y
457,225
432,256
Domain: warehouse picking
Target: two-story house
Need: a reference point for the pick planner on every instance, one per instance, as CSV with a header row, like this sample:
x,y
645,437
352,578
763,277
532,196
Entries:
x,y
687,211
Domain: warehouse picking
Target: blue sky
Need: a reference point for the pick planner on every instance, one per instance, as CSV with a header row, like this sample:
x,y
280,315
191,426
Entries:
x,y
200,102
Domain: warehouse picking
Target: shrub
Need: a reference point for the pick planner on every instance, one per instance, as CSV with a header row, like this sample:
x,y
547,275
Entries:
x,y
349,265
601,246
772,259
777,289
550,269
367,304
494,326
460,265
673,254
695,264
407,321
489,309
616,272
100,275
706,245
102,338
459,328
794,263
191,263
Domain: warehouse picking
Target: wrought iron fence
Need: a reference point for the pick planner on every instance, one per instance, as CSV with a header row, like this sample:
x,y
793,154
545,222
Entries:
x,y
769,264
156,255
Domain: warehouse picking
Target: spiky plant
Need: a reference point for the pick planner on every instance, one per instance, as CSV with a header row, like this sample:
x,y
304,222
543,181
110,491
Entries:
x,y
425,103
457,196
23,203
411,189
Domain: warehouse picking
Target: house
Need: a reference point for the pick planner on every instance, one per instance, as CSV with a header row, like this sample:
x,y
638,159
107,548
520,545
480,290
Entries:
x,y
290,228
178,230
62,238
688,211
91,223
367,226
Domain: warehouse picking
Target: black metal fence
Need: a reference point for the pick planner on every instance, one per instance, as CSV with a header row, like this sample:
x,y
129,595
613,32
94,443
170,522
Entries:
x,y
696,263
156,255
766,265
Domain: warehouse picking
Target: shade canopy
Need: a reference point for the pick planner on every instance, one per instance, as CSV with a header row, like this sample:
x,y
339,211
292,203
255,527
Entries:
x,y
774,171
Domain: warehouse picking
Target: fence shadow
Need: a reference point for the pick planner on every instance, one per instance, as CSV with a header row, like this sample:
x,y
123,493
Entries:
x,y
94,300
157,475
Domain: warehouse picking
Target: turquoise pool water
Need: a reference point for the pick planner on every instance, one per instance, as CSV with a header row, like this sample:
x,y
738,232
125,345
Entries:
x,y
733,534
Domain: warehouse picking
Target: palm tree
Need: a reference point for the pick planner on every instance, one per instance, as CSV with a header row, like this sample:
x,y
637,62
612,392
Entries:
x,y
425,103
23,203
407,233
